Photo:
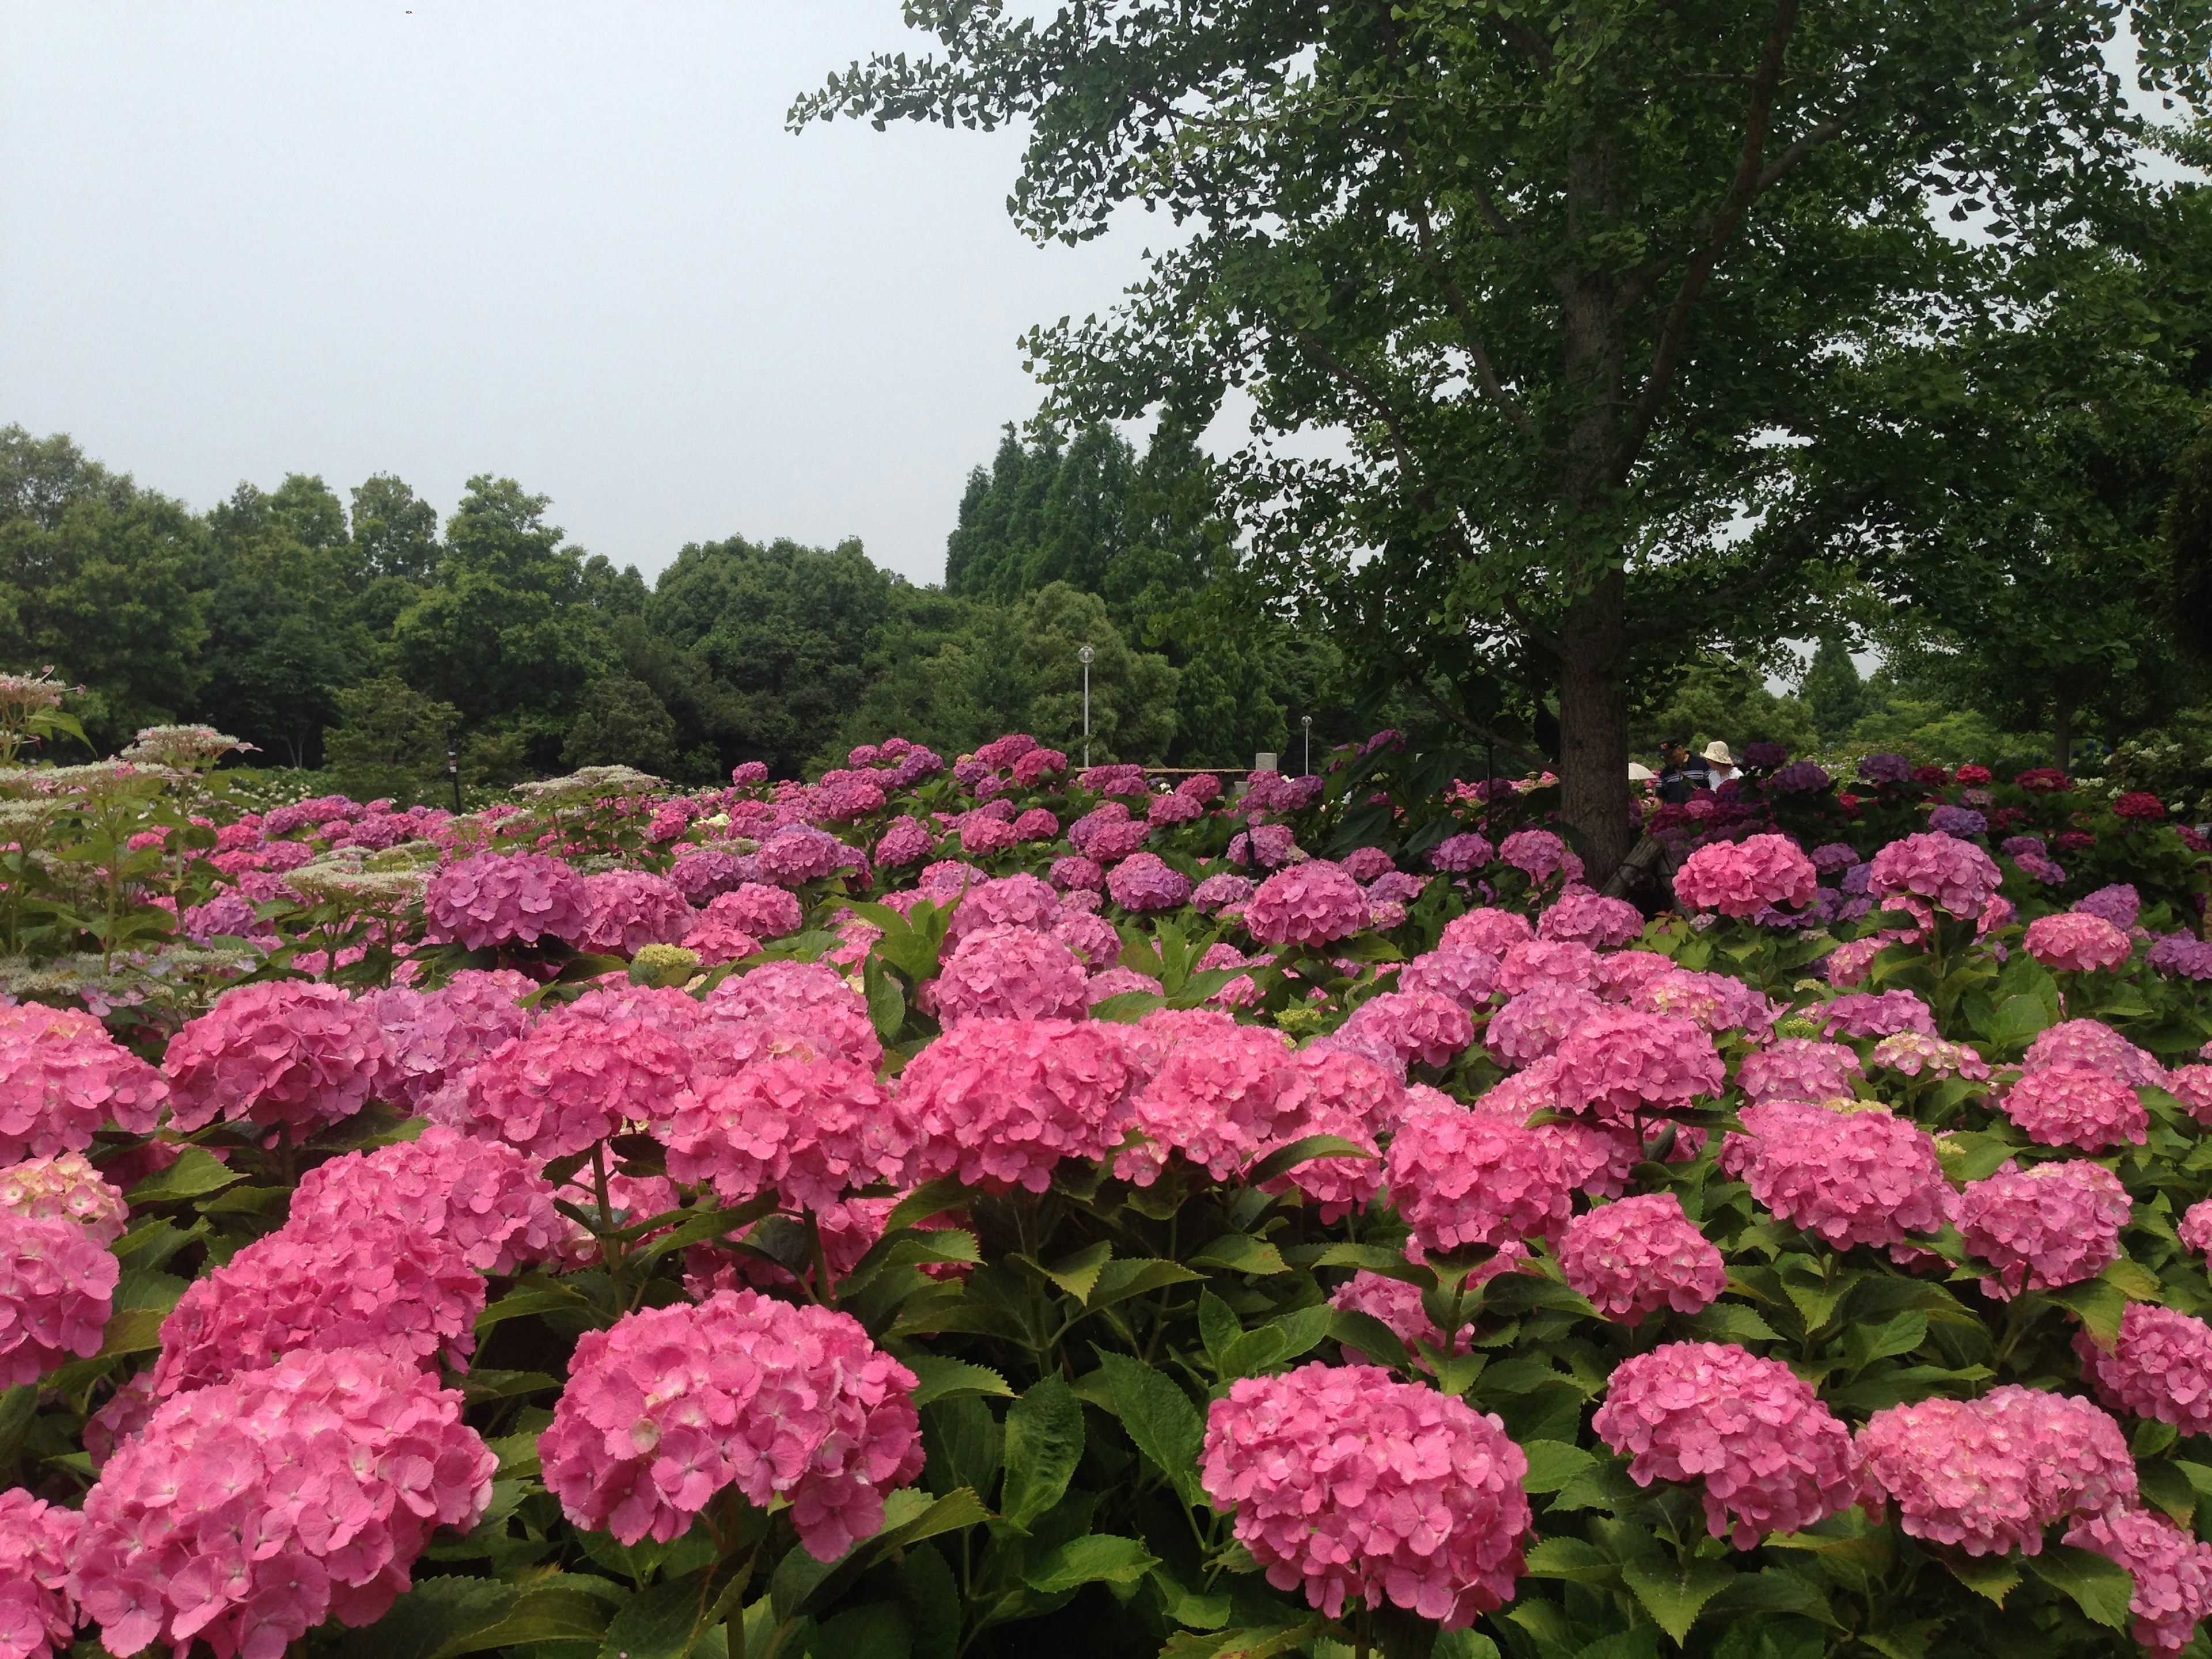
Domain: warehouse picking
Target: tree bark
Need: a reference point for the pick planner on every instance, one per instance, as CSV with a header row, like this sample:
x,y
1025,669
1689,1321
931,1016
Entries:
x,y
2062,735
1594,796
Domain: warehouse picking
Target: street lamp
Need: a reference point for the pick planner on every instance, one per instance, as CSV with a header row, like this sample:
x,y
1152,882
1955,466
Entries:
x,y
1084,656
453,771
1306,721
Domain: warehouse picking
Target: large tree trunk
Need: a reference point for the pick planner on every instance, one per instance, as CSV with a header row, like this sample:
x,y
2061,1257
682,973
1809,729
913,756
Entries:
x,y
2062,735
1593,794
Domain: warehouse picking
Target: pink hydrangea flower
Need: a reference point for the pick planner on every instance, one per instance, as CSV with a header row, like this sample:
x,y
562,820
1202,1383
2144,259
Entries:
x,y
2194,1230
1539,855
1741,879
1415,1026
757,909
630,910
1988,1475
1772,1457
1799,1068
1870,1014
1222,1099
1000,1103
1396,1304
706,872
2096,1047
1090,937
1915,1051
1020,901
1010,972
250,1510
2074,1106
1309,904
807,1000
1618,1065
2045,1226
1848,962
1465,1180
1533,1023
434,1037
1361,1489
56,1287
904,843
1467,977
1145,881
1856,1177
1215,892
798,852
1640,1254
2192,1086
2078,942
491,1201
673,1404
2160,1367
1717,1002
1534,962
1622,974
575,1078
1583,917
715,942
1954,875
1492,932
376,1284
506,898
62,1077
1458,855
38,1614
813,1130
65,1188
2172,1572
286,1054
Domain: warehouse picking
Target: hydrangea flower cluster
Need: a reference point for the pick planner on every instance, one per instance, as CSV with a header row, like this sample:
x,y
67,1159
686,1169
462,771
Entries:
x,y
2074,1106
2096,1047
250,1510
1988,1475
2195,1228
506,898
62,1077
432,1037
1799,1068
2043,1227
574,1080
811,1129
1000,1103
1773,1458
2077,942
1415,1026
1533,1024
673,1404
38,1615
1856,1177
1309,904
1020,901
630,910
1956,877
1010,972
1467,977
378,1286
1587,918
1491,931
1464,1180
1877,1014
1912,1053
1741,879
1640,1254
2172,1572
57,1286
1618,1065
1145,881
65,1188
2160,1367
1360,1489
490,1201
285,1054
1222,1100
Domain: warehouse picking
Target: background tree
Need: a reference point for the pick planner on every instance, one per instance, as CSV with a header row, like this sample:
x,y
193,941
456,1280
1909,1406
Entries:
x,y
391,742
623,723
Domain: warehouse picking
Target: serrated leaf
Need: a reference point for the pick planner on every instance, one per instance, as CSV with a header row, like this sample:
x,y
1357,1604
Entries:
x,y
1094,1559
2101,1587
1901,1335
1551,1464
1364,1333
1043,1444
134,1330
2132,1280
1240,1252
196,1173
1731,1322
1078,1274
1218,1325
1675,1593
1120,1281
1573,1559
1159,1419
518,1304
2100,1305
939,1378
906,1523
1127,1007
1284,1159
1991,1575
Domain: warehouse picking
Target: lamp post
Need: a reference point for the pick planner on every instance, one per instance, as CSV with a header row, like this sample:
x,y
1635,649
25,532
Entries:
x,y
1306,721
1084,656
453,771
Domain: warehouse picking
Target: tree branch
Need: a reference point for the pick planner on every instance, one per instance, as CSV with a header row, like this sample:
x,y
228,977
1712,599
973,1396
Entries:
x,y
1476,728
1492,387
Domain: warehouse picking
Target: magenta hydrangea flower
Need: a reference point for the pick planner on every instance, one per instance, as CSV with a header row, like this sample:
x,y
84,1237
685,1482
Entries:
x,y
491,1201
1534,962
1458,855
2045,1226
575,1078
1619,1064
1640,1254
65,1188
250,1510
1871,1014
1718,1002
1740,878
1010,972
1464,1180
1365,864
1586,918
798,852
2118,904
1533,1024
2172,1572
62,1077
1309,904
630,910
1466,977
38,1614
2096,1047
1866,1176
1988,1475
673,1404
56,1287
904,841
2077,942
1111,843
286,1054
706,872
1492,932
1954,875
1361,1489
434,1037
1000,1103
1799,1068
1222,1098
2160,1367
2074,1106
812,1129
506,898
1772,1457
1145,881
1415,1026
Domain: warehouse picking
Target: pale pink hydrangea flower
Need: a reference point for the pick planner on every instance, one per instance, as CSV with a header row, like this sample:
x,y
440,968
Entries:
x,y
1988,1475
1415,1026
673,1404
1466,976
2071,940
2043,1227
1490,931
1954,875
1740,878
1586,918
1772,1457
1003,972
1799,1068
376,1284
62,1077
1848,962
285,1054
1533,1024
576,1079
1857,1177
38,1614
2160,1367
2074,1106
1309,904
1464,1180
813,1130
1222,1100
630,910
65,1188
2096,1047
1871,1014
250,1510
1543,962
1618,1065
1000,1103
1622,974
1361,1489
2172,1572
1915,1051
506,898
1640,1254
488,1199
1217,892
56,1287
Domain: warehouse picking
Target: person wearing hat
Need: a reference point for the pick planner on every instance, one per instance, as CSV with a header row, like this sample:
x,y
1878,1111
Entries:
x,y
1722,763
1681,773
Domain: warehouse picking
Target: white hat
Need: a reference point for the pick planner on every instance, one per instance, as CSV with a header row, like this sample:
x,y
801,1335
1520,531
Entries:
x,y
1717,751
1640,774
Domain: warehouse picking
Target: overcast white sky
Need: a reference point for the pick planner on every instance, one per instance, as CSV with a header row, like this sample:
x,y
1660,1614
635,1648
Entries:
x,y
567,241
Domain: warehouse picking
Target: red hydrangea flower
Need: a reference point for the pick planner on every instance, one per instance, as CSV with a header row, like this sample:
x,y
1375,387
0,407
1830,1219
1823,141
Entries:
x,y
2043,1227
282,1054
2139,807
2160,1367
1000,1103
56,1287
1740,878
1641,1254
505,898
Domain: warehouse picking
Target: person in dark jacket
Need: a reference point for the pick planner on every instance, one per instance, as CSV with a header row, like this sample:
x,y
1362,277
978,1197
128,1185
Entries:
x,y
1681,773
